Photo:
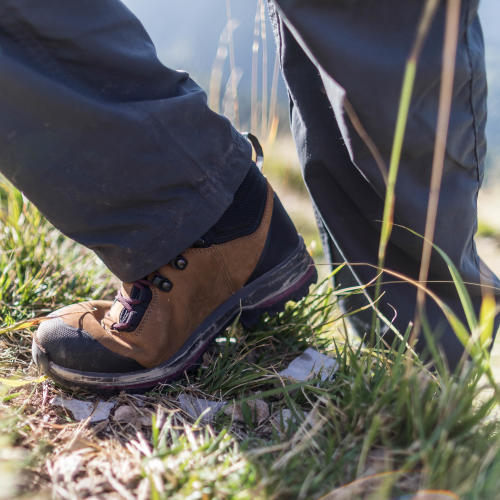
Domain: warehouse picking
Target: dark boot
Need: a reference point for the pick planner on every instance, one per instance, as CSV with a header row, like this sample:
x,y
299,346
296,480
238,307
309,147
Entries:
x,y
251,262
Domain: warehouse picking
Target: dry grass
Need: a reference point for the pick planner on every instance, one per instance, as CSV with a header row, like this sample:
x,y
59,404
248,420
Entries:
x,y
377,430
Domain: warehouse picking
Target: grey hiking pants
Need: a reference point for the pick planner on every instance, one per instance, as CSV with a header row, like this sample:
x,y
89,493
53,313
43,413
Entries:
x,y
124,156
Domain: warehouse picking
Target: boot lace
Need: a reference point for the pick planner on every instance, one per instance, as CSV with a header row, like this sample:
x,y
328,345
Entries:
x,y
162,283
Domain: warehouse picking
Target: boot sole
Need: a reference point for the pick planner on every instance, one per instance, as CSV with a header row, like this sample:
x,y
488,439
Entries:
x,y
267,294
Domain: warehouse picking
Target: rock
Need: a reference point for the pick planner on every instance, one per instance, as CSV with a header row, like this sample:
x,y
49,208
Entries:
x,y
310,364
82,410
127,414
257,407
195,407
282,419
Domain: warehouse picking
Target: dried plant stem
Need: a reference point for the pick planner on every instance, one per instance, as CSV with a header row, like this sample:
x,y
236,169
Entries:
x,y
369,143
255,73
232,64
445,100
263,37
214,94
273,118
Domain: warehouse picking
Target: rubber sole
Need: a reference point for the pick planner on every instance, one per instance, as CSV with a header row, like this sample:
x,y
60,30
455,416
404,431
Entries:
x,y
267,294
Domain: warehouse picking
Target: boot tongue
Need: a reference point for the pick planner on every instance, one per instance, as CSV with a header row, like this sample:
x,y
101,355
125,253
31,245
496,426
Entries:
x,y
120,315
117,307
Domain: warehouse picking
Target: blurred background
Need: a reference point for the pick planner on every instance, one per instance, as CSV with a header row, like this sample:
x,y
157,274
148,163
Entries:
x,y
228,48
187,36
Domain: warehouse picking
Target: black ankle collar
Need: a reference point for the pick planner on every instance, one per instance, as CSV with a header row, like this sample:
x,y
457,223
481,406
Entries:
x,y
245,213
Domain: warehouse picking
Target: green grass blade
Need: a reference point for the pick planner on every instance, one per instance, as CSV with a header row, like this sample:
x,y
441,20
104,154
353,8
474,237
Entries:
x,y
461,290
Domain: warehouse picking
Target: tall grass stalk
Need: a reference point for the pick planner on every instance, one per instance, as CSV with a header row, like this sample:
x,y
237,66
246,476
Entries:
x,y
254,90
370,144
263,35
215,86
444,111
267,108
264,119
232,64
273,118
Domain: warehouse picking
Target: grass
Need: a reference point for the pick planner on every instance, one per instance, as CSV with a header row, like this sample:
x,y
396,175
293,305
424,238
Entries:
x,y
384,427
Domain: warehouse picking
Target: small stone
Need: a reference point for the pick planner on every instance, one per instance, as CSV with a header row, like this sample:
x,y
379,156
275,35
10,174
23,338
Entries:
x,y
284,416
310,364
195,407
281,420
125,414
82,410
259,410
145,420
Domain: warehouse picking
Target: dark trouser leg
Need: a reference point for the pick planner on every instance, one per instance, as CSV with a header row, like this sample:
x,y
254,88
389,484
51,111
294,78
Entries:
x,y
119,152
363,47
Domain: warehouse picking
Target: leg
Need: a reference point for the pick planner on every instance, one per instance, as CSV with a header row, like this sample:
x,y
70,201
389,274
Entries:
x,y
123,155
120,153
343,47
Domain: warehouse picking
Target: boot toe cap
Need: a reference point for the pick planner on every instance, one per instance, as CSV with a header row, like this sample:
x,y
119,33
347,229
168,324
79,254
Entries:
x,y
74,348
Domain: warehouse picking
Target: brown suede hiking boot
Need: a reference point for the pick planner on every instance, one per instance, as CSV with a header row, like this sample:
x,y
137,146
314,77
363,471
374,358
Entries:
x,y
159,326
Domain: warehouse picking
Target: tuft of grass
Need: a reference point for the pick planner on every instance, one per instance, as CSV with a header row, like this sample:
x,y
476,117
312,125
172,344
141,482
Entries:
x,y
385,426
40,270
182,462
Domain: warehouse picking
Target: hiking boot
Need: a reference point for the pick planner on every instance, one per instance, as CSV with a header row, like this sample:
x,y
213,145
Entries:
x,y
251,262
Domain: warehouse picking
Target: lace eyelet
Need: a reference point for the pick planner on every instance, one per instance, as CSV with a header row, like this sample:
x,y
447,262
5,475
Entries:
x,y
164,284
180,263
